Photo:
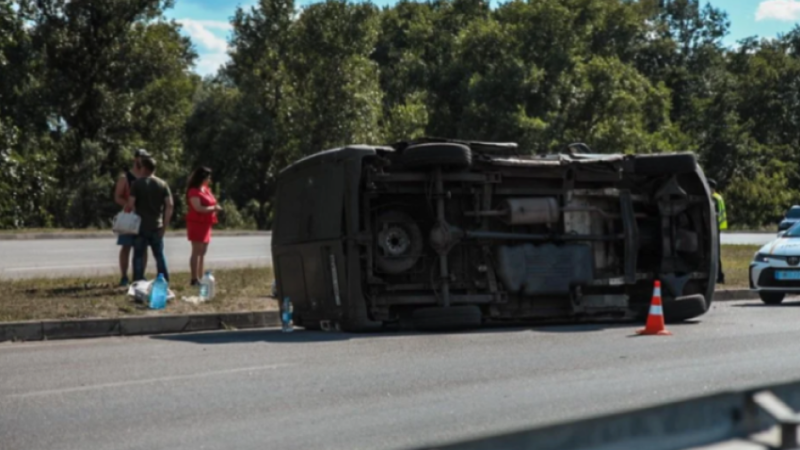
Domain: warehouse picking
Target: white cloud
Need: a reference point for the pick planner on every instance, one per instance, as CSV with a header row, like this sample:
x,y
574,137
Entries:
x,y
213,24
209,63
199,31
212,48
784,10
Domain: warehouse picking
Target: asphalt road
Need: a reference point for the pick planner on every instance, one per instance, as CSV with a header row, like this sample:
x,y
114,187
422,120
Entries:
x,y
264,389
66,257
62,257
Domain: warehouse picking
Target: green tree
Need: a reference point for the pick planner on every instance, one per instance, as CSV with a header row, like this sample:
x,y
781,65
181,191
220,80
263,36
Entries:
x,y
337,83
263,104
114,76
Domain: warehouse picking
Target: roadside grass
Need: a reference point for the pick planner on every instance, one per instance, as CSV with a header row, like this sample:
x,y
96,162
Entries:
x,y
736,263
246,289
771,228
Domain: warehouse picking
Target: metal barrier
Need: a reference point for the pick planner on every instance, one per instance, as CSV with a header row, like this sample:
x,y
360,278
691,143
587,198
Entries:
x,y
681,425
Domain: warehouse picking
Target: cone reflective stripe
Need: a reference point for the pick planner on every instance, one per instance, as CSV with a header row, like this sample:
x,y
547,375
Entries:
x,y
655,305
655,318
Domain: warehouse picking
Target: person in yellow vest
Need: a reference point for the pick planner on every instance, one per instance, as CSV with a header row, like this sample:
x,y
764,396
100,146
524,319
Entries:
x,y
722,223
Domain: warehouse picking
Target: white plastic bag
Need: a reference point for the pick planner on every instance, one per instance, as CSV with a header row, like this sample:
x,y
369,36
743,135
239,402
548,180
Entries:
x,y
140,291
127,223
194,299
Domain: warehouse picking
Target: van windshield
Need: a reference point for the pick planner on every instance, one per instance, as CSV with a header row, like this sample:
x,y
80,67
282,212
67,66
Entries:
x,y
793,213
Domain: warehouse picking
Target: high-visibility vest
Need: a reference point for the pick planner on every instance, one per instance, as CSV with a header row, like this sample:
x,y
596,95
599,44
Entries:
x,y
722,215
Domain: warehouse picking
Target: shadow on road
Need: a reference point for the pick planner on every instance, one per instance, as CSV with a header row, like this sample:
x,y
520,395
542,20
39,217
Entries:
x,y
578,328
271,335
300,336
669,327
594,327
760,304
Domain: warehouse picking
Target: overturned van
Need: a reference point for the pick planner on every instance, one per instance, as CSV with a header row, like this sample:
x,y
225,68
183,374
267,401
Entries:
x,y
443,234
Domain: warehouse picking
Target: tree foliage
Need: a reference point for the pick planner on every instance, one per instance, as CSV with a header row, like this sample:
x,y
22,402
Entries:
x,y
82,84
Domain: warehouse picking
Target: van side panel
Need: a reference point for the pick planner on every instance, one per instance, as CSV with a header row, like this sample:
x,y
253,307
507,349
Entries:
x,y
311,205
307,232
315,237
305,274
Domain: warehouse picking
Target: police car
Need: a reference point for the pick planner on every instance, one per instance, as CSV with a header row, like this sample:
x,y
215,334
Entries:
x,y
775,270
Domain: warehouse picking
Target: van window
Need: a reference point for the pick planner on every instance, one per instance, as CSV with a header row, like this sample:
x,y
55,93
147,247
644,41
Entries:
x,y
310,205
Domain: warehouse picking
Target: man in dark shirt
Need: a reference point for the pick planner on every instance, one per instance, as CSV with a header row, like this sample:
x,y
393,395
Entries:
x,y
151,198
121,193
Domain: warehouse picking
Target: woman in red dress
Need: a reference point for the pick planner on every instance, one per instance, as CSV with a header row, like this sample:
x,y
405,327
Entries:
x,y
201,216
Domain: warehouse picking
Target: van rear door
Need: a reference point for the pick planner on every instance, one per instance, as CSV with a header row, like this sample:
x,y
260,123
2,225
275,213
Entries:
x,y
307,240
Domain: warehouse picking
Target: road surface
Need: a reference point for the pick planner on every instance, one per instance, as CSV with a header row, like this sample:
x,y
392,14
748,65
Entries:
x,y
62,257
264,389
45,258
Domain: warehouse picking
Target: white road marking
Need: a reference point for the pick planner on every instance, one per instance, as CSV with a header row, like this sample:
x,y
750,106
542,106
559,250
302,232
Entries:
x,y
145,381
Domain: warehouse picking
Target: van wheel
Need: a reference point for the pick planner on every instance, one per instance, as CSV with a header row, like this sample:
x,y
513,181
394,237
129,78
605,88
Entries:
x,y
676,311
310,325
455,156
772,298
447,318
399,242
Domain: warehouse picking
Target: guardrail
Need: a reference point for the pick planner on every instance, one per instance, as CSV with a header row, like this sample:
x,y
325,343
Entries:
x,y
681,425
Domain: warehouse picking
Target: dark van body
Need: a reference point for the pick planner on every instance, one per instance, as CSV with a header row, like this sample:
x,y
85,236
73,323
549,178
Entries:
x,y
444,234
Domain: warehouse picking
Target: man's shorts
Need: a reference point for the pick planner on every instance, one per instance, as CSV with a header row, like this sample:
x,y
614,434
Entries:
x,y
126,240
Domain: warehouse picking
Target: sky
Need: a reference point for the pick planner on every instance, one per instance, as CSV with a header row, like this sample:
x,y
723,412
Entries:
x,y
207,22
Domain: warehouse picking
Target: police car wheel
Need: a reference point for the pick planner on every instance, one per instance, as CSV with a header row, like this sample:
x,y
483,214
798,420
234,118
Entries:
x,y
772,298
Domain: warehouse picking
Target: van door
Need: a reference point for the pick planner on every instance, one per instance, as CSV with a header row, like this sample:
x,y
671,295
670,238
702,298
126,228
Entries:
x,y
307,240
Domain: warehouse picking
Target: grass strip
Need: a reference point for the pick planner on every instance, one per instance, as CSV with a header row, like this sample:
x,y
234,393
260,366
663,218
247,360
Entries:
x,y
245,289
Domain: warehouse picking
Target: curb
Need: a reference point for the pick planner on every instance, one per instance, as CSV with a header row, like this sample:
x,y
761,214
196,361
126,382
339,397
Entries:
x,y
135,326
109,234
138,326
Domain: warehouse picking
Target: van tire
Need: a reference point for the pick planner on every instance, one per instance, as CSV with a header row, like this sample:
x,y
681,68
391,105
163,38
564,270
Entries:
x,y
445,155
407,228
447,318
310,325
677,311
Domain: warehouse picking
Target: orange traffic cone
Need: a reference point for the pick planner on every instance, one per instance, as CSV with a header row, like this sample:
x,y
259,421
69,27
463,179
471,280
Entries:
x,y
655,319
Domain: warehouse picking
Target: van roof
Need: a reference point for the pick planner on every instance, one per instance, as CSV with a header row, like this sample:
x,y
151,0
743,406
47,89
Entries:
x,y
335,154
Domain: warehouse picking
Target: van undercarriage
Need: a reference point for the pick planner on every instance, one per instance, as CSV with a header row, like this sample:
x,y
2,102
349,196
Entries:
x,y
448,234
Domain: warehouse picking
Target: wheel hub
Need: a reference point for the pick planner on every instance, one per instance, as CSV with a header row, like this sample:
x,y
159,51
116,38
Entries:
x,y
394,241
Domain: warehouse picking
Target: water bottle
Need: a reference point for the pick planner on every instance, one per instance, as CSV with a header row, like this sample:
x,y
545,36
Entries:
x,y
159,292
286,316
208,286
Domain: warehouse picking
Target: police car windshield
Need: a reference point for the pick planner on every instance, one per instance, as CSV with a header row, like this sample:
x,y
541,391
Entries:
x,y
793,213
793,231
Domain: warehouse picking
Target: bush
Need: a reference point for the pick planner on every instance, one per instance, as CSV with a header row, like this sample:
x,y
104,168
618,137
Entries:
x,y
230,218
761,199
25,185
